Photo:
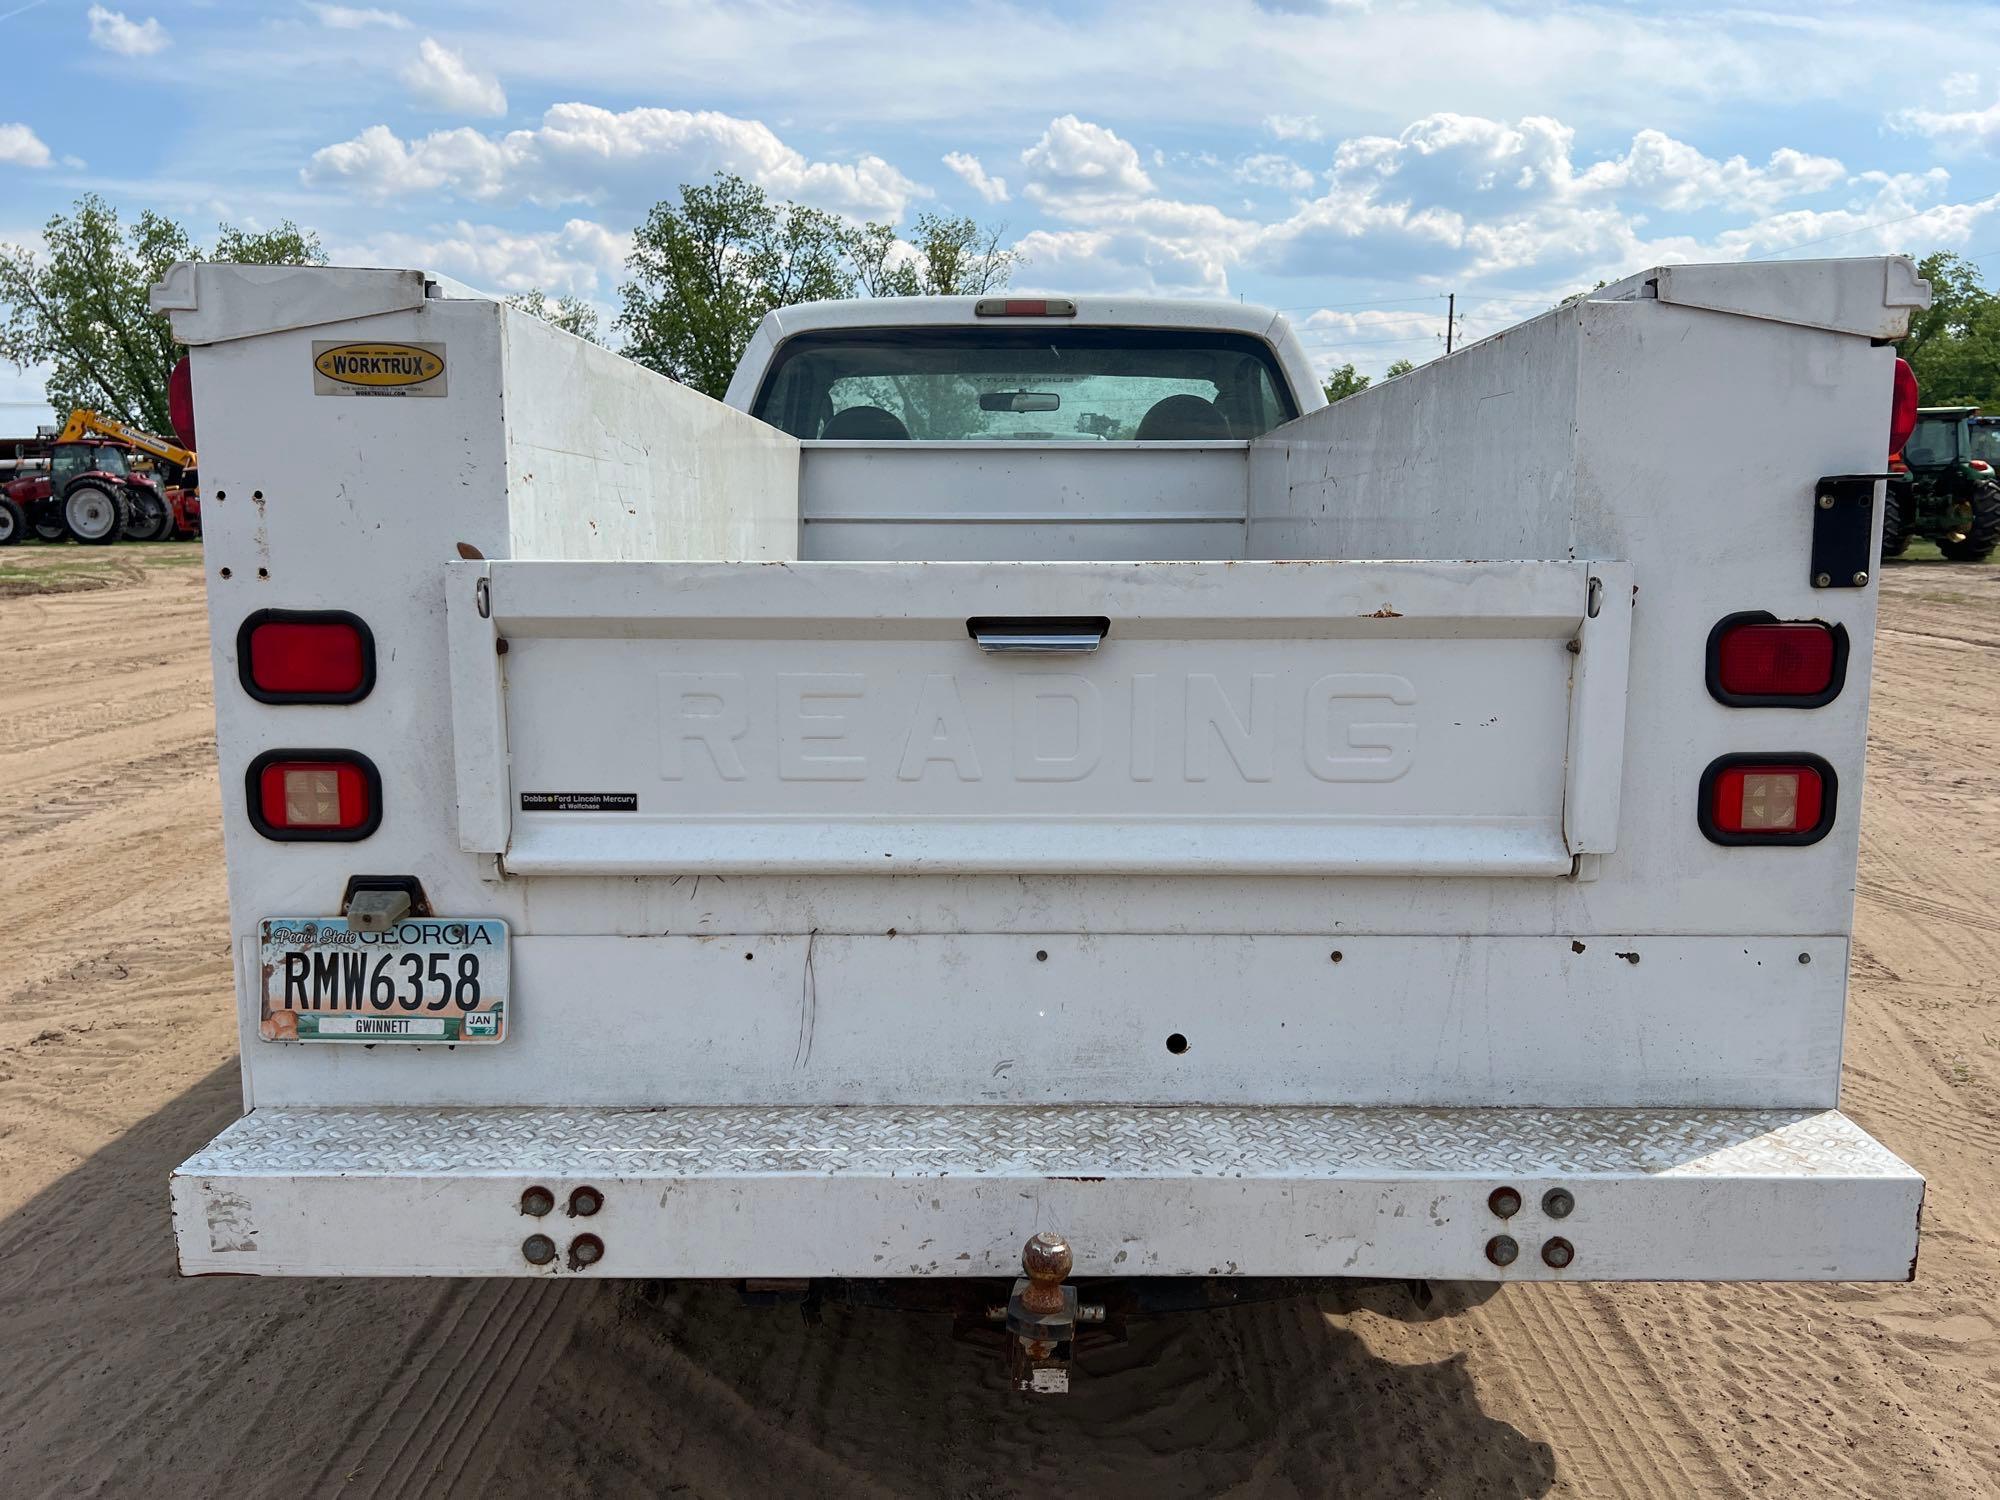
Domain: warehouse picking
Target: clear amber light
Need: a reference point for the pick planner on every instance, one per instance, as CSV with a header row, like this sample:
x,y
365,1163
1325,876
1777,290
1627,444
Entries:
x,y
314,795
1770,801
1767,799
312,799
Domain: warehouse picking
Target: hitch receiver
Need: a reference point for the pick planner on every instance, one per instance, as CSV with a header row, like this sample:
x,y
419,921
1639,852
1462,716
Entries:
x,y
1041,1319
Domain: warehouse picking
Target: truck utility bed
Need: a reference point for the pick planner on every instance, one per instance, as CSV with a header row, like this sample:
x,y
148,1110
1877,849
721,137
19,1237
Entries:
x,y
1293,856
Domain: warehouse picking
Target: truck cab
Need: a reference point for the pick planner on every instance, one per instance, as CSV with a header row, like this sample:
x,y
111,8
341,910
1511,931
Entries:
x,y
1025,369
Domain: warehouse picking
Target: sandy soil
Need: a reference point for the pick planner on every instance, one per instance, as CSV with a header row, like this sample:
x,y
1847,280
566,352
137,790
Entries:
x,y
117,1059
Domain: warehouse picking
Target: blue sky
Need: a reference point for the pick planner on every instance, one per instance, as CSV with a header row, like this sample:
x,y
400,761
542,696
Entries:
x,y
1347,160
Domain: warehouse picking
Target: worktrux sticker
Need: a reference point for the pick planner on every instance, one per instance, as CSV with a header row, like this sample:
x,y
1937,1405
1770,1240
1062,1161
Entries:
x,y
374,369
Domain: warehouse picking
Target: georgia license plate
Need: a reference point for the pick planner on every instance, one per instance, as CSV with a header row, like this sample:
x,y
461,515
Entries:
x,y
425,979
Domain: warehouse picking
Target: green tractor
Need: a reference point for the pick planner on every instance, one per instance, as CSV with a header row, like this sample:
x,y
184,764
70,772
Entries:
x,y
1948,488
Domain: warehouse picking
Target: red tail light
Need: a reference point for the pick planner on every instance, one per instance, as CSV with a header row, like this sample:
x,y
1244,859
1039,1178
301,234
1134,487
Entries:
x,y
180,402
305,656
1902,407
1767,799
323,795
1756,660
1024,307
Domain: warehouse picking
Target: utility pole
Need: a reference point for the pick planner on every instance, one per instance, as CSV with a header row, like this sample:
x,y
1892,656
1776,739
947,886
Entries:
x,y
1450,317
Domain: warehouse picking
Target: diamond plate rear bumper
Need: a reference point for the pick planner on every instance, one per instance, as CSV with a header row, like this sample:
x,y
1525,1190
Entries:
x,y
871,1191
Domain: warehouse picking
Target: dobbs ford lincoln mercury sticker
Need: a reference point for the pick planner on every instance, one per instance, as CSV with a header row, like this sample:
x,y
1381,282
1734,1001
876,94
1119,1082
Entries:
x,y
364,369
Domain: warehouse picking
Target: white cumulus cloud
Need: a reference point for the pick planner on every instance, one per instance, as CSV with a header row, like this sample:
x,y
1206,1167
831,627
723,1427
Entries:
x,y
21,147
358,18
1076,165
1461,193
1675,175
581,259
1959,129
112,31
1151,245
1269,169
581,153
443,79
1295,127
990,189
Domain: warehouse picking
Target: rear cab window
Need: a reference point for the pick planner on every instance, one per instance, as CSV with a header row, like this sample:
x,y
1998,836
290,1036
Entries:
x,y
1933,441
1986,441
1037,385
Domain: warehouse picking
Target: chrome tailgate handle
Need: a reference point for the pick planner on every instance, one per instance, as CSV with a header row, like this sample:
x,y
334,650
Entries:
x,y
1070,634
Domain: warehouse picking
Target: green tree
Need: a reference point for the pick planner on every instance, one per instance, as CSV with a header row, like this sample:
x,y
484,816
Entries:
x,y
1953,346
1344,382
705,269
570,314
80,304
1579,296
946,257
1399,367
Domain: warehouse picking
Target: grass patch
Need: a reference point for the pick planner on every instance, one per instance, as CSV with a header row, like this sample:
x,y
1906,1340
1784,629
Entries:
x,y
63,568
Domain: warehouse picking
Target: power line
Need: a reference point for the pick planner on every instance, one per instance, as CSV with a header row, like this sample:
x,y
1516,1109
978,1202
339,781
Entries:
x,y
1857,229
1419,338
1336,306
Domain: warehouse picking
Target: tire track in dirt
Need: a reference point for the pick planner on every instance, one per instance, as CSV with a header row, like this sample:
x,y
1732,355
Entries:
x,y
1924,906
483,1358
107,789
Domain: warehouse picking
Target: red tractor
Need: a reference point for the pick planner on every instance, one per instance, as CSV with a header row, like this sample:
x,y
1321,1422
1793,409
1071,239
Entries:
x,y
92,494
89,493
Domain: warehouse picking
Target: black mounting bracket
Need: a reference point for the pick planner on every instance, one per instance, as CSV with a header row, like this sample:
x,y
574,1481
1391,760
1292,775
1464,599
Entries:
x,y
1843,530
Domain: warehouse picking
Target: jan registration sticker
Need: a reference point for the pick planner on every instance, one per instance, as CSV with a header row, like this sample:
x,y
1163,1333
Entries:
x,y
425,979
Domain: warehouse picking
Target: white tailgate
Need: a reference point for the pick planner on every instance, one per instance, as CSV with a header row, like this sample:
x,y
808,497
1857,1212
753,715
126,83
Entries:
x,y
1307,717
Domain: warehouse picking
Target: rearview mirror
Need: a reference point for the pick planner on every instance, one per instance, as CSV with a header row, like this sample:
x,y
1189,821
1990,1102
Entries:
x,y
1019,401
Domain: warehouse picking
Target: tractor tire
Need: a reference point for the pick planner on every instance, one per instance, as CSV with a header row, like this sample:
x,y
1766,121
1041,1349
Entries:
x,y
94,514
1895,520
1982,533
13,522
152,518
45,521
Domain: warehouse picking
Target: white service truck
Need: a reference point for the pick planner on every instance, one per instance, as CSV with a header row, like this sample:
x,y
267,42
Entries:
x,y
1027,770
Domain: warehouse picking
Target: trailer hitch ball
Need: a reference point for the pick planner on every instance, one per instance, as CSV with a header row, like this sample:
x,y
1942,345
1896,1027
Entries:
x,y
1042,1318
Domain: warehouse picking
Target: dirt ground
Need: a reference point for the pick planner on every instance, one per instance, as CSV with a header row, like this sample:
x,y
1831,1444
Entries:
x,y
117,1059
